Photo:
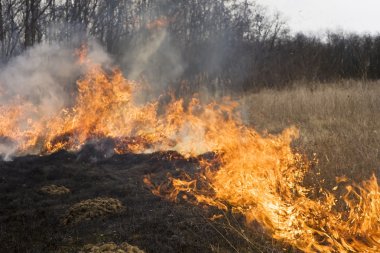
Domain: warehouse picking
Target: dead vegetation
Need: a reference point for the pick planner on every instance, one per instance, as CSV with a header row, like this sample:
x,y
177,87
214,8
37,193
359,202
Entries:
x,y
55,190
91,209
110,248
339,122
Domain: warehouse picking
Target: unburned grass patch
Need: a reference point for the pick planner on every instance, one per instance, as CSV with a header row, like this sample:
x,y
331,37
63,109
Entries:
x,y
110,248
54,190
338,121
91,209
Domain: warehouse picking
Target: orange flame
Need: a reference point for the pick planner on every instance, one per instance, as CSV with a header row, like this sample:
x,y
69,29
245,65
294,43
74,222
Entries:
x,y
259,177
158,23
81,53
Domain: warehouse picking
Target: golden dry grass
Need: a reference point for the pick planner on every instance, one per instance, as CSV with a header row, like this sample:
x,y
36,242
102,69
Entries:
x,y
91,209
54,190
110,248
339,122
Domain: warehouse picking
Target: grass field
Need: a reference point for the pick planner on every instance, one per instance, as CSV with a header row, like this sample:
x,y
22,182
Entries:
x,y
337,121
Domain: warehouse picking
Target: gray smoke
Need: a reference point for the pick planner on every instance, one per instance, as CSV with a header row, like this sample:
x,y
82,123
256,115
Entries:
x,y
44,77
153,59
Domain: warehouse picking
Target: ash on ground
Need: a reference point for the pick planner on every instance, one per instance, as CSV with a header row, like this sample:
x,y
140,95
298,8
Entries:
x,y
126,210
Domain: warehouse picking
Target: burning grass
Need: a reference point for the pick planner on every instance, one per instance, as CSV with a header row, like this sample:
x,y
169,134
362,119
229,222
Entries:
x,y
258,176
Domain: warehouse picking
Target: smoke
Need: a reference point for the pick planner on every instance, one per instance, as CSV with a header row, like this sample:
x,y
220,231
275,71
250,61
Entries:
x,y
45,75
157,56
39,76
43,79
153,58
7,148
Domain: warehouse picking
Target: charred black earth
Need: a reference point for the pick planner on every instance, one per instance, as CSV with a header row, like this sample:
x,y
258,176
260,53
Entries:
x,y
44,200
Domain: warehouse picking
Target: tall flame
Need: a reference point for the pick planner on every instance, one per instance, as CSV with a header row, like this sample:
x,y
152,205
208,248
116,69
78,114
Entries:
x,y
258,176
261,178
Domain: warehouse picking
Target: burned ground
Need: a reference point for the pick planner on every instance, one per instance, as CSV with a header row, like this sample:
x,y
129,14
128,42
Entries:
x,y
33,221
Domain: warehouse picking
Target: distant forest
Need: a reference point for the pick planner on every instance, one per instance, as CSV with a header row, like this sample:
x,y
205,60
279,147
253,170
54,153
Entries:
x,y
239,43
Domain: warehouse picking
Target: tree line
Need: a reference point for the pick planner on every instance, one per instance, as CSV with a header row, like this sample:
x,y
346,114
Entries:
x,y
238,43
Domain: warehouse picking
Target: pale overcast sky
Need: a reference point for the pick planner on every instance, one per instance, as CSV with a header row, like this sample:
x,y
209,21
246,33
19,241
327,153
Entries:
x,y
319,15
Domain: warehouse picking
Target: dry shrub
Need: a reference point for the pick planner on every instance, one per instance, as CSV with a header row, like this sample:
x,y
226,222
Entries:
x,y
339,122
55,190
91,209
111,248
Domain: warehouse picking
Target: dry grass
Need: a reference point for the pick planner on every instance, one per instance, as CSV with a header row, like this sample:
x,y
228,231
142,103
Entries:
x,y
111,248
55,189
339,122
91,209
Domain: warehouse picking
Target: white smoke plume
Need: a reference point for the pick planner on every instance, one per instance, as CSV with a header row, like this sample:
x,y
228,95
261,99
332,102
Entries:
x,y
153,58
45,78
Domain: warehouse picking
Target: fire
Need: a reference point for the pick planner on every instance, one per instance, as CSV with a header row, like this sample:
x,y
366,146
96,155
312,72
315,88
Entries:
x,y
261,178
258,176
159,23
106,107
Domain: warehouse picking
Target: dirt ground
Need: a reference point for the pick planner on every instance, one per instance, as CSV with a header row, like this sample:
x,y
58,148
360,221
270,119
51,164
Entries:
x,y
65,202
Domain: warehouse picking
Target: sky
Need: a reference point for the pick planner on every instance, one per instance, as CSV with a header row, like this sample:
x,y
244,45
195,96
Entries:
x,y
362,16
